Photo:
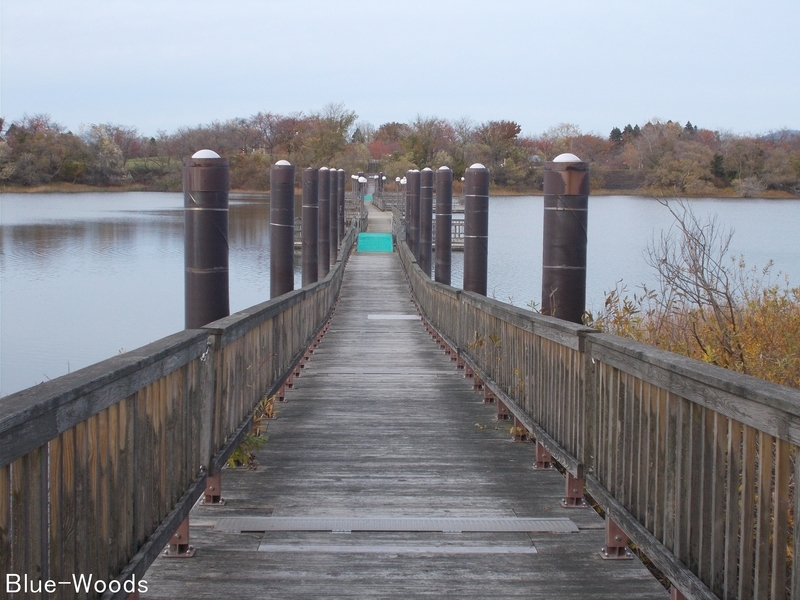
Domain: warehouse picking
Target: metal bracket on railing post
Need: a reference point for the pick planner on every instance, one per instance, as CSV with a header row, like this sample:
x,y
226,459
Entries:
x,y
213,493
519,431
179,546
280,395
459,360
616,543
544,461
676,594
477,383
502,412
573,496
488,395
468,372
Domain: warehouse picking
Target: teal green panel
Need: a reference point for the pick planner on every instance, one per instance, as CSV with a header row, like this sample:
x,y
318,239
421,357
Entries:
x,y
374,242
368,198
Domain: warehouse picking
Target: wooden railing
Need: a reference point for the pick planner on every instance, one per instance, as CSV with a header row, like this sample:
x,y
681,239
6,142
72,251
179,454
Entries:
x,y
99,467
695,463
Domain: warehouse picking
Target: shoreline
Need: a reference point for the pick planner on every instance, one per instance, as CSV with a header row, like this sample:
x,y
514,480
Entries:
x,y
74,188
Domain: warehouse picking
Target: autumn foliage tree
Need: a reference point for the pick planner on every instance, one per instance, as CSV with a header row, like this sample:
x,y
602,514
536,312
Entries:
x,y
708,305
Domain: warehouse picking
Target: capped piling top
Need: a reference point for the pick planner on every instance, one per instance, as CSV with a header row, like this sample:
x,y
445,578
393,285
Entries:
x,y
444,168
205,154
566,157
427,169
566,174
283,163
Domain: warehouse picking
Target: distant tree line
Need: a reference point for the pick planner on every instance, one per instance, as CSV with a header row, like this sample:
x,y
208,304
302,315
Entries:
x,y
663,155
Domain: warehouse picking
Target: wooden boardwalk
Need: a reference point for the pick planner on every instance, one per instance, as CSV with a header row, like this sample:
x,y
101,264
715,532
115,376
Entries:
x,y
380,424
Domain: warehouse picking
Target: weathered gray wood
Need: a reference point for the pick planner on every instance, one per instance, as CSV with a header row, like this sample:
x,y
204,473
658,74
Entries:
x,y
748,503
795,581
688,583
160,538
780,533
5,519
32,417
570,463
715,548
381,423
772,408
732,513
762,584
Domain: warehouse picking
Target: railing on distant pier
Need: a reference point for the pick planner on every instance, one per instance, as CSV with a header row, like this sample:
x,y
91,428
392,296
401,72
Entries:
x,y
99,467
391,201
694,462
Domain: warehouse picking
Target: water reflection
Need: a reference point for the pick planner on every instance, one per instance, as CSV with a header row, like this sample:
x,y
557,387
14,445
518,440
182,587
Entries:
x,y
83,276
87,275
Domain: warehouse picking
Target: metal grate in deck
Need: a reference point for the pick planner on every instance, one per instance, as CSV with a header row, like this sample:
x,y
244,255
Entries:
x,y
397,524
395,549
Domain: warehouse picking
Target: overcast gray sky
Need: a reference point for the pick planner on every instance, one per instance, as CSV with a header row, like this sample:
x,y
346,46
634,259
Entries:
x,y
723,64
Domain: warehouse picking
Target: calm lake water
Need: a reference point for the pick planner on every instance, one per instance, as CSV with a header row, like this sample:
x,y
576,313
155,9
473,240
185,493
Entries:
x,y
84,276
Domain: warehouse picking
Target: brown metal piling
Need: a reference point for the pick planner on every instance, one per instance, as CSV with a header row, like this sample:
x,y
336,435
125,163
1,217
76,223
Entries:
x,y
310,226
340,200
566,203
412,212
476,228
206,182
425,220
444,225
333,221
323,239
281,229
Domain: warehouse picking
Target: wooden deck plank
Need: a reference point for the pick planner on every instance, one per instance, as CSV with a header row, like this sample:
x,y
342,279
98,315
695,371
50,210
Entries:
x,y
380,423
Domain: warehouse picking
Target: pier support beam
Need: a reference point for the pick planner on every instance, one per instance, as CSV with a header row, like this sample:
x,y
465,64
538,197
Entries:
x,y
310,226
425,220
566,203
281,229
444,225
476,228
323,241
206,182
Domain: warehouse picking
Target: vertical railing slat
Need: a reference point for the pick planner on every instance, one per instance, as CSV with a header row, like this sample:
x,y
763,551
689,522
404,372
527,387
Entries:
x,y
714,545
780,521
747,504
763,514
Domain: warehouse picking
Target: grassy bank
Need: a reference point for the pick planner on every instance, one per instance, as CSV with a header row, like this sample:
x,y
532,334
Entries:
x,y
66,188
